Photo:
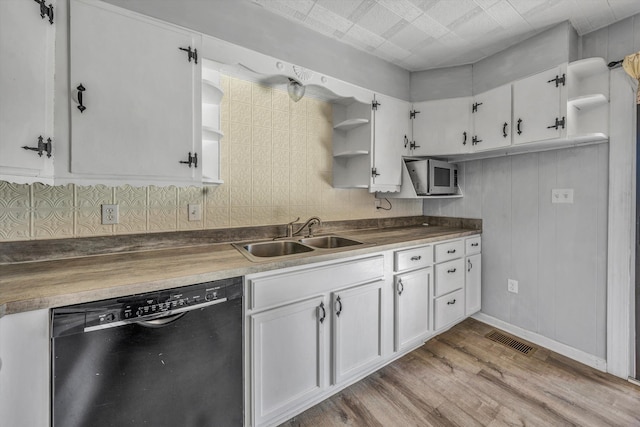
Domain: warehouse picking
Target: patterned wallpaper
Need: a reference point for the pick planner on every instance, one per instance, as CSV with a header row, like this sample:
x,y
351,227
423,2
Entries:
x,y
276,162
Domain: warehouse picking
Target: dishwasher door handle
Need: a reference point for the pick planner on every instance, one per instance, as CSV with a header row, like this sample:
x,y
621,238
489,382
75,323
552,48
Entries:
x,y
156,320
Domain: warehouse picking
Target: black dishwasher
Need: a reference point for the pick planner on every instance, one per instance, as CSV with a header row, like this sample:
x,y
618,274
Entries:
x,y
167,358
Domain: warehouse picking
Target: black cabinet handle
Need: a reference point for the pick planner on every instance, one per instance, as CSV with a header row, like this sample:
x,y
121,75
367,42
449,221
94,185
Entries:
x,y
406,141
474,244
400,287
81,106
504,129
451,302
464,141
451,251
470,265
338,310
416,258
324,313
518,127
451,270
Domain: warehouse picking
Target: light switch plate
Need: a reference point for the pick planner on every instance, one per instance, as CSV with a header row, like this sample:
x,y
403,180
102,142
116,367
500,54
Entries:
x,y
195,212
110,214
562,195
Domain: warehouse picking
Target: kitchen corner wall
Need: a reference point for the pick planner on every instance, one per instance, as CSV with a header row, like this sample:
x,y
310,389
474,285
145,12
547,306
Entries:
x,y
276,163
557,252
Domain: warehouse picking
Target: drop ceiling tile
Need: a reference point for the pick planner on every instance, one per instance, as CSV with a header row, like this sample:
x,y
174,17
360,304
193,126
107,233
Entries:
x,y
361,10
477,26
409,36
624,8
452,40
403,8
331,19
424,5
393,51
486,4
341,7
363,37
429,26
400,25
445,12
378,19
322,27
295,8
524,6
505,15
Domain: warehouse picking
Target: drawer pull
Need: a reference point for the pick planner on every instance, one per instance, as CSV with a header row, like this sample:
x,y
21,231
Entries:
x,y
338,310
416,258
451,302
474,244
451,270
324,313
400,287
470,265
451,251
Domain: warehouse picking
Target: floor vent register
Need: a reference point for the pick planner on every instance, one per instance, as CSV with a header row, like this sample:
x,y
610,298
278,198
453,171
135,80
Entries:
x,y
512,342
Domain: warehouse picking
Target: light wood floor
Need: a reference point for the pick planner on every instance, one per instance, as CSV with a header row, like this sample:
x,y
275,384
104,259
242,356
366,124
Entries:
x,y
461,378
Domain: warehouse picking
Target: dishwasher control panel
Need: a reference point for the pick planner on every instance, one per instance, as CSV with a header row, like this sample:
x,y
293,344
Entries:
x,y
148,306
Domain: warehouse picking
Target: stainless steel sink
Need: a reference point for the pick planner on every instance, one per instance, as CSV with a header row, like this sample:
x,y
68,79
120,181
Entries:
x,y
329,242
274,249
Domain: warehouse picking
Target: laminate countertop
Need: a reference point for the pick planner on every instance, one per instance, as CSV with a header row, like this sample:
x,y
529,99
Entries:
x,y
34,285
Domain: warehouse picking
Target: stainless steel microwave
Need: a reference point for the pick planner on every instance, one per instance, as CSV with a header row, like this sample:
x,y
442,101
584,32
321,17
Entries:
x,y
432,177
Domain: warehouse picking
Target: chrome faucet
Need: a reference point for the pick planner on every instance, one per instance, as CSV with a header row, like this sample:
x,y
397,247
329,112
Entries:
x,y
310,223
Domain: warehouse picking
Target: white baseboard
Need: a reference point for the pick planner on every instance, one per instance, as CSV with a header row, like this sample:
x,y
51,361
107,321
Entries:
x,y
563,349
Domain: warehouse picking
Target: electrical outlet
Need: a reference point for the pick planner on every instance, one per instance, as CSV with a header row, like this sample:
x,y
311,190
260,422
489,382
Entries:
x,y
562,195
110,214
512,286
195,212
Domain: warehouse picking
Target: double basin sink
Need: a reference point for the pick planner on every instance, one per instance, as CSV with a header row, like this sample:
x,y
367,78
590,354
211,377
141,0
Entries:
x,y
278,248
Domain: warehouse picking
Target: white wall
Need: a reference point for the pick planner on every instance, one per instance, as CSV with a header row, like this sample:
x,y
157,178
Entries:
x,y
557,252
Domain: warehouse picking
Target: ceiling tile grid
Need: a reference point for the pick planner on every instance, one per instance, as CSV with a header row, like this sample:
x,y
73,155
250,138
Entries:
x,y
425,34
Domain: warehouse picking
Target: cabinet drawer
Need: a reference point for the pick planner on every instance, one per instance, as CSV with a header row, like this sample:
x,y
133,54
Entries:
x,y
449,250
449,276
270,289
413,258
448,309
473,245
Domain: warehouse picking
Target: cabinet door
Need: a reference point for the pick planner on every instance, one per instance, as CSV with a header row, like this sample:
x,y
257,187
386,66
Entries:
x,y
288,350
392,130
26,87
412,292
491,112
442,127
357,330
141,94
537,105
473,279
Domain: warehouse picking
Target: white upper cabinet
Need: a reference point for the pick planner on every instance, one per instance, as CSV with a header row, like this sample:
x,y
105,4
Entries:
x,y
26,87
491,113
442,127
136,100
539,106
392,131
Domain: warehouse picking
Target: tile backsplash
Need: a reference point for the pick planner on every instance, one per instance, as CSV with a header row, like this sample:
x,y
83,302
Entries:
x,y
276,161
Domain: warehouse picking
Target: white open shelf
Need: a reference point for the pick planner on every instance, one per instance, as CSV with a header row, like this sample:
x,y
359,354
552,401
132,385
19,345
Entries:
x,y
351,153
350,124
584,102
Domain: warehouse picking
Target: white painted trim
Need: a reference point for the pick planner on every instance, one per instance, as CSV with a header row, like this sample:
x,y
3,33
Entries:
x,y
563,349
621,232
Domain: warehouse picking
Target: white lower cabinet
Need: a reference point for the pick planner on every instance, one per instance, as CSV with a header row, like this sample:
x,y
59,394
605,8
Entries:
x,y
473,301
288,351
448,309
357,330
412,291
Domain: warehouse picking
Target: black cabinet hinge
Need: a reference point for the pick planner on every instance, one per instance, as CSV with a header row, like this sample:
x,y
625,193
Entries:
x,y
191,54
559,123
45,11
475,140
413,145
412,114
43,147
474,107
559,80
374,172
191,160
375,104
